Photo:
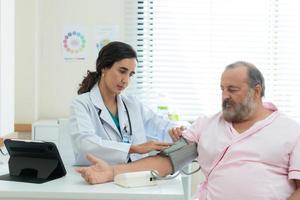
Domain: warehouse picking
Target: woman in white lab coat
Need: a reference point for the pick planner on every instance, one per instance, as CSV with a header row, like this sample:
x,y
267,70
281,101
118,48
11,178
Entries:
x,y
107,123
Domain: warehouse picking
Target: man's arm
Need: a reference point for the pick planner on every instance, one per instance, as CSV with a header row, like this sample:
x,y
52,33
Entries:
x,y
296,194
101,172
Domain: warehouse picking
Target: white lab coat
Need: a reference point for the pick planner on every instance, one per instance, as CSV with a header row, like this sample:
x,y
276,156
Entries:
x,y
89,134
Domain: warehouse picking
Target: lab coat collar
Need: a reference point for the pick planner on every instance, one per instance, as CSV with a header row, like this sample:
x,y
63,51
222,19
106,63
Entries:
x,y
96,97
97,100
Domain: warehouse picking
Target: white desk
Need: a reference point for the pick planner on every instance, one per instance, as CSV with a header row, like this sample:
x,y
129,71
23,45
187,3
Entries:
x,y
72,186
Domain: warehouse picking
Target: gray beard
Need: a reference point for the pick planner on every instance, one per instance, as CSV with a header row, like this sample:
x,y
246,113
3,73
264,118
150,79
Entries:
x,y
241,111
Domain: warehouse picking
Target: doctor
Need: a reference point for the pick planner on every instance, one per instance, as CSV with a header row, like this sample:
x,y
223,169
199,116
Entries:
x,y
106,122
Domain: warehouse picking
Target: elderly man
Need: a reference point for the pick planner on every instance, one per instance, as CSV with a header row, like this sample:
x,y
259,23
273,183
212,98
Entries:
x,y
249,151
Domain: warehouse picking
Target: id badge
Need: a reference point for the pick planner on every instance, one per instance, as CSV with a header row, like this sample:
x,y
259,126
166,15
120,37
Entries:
x,y
126,138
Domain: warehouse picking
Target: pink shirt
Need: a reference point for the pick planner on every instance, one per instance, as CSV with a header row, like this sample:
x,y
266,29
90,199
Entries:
x,y
257,164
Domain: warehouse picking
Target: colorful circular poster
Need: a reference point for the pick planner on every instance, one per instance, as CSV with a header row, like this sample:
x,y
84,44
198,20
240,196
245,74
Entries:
x,y
74,42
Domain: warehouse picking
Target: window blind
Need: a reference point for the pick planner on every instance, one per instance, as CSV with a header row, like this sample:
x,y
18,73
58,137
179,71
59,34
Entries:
x,y
183,47
286,61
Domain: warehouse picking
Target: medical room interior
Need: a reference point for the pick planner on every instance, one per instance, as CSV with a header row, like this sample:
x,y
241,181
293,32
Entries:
x,y
183,47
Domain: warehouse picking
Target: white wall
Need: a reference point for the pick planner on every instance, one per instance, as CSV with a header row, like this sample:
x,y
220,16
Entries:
x,y
26,61
45,82
7,66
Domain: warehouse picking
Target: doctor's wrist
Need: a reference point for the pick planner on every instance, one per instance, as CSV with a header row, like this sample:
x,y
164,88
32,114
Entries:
x,y
134,149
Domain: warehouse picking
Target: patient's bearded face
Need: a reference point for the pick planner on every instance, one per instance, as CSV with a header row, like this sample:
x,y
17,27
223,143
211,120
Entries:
x,y
239,111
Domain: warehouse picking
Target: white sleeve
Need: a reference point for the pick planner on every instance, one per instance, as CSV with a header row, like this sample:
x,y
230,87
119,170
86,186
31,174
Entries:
x,y
85,140
155,125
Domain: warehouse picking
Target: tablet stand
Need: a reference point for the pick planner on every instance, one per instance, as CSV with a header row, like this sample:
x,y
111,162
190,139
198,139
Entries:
x,y
39,168
32,170
33,162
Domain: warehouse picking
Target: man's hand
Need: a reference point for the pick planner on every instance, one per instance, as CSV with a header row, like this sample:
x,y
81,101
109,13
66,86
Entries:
x,y
296,194
148,146
176,133
98,172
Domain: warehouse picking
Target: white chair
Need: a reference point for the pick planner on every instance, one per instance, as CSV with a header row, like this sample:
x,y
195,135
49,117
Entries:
x,y
64,141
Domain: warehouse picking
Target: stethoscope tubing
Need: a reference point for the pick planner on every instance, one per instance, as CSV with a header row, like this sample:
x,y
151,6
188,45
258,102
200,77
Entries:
x,y
128,117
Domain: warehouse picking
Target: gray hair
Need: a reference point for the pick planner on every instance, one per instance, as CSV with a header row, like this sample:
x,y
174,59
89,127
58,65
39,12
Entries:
x,y
255,77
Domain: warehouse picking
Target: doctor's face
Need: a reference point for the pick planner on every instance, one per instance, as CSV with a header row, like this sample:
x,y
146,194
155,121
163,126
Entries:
x,y
238,99
117,78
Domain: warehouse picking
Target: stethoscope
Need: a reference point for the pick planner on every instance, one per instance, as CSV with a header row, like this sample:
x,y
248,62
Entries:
x,y
125,138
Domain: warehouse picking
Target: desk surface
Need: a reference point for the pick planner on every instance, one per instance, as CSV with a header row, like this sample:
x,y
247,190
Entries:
x,y
72,186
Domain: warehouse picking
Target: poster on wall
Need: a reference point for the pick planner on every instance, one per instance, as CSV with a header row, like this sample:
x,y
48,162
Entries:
x,y
105,34
74,43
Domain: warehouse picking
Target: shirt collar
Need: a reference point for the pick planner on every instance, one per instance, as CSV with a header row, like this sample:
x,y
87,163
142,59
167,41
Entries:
x,y
259,124
270,106
98,102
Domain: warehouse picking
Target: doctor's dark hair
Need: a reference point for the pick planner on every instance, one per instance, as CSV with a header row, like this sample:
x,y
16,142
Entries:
x,y
255,77
108,55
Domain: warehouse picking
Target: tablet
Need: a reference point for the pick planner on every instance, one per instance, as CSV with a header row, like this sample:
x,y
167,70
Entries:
x,y
33,161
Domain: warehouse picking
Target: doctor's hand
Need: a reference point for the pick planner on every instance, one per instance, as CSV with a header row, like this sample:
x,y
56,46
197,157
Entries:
x,y
176,133
148,146
98,172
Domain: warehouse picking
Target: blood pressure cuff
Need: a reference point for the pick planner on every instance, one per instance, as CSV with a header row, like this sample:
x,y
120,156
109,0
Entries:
x,y
180,154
